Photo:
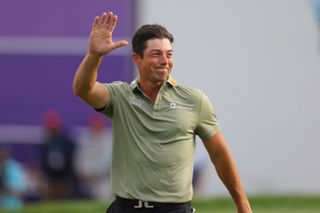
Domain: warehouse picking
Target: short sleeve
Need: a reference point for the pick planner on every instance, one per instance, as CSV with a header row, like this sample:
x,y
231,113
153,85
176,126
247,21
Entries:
x,y
108,108
208,123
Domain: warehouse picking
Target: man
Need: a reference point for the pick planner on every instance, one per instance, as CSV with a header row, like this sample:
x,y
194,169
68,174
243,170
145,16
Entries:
x,y
154,123
92,159
57,158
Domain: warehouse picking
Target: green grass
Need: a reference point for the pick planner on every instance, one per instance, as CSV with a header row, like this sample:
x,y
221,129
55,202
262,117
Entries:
x,y
261,204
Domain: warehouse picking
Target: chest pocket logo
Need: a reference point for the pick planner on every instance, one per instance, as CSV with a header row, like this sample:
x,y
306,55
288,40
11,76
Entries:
x,y
173,105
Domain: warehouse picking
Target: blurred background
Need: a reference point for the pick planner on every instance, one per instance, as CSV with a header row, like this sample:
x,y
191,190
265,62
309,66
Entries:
x,y
258,62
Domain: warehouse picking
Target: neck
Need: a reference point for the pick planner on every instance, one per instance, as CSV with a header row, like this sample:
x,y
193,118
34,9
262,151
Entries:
x,y
151,89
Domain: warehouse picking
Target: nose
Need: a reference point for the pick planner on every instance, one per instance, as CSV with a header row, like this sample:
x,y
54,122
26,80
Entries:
x,y
164,59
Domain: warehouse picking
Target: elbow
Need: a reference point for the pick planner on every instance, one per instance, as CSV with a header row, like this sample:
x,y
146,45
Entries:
x,y
76,90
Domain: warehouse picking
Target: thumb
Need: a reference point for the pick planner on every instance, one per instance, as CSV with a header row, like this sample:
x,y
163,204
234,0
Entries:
x,y
120,44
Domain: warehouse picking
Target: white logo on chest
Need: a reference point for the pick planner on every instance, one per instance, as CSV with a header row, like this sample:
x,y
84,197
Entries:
x,y
180,106
173,105
135,101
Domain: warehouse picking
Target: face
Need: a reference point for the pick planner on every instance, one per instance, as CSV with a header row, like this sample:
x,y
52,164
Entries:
x,y
157,61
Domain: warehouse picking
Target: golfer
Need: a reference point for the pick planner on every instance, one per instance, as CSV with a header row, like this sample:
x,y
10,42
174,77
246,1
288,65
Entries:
x,y
155,120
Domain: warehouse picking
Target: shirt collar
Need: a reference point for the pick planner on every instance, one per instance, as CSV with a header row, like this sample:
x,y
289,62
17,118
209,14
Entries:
x,y
134,84
172,81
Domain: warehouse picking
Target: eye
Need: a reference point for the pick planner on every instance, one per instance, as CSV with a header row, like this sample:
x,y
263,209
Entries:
x,y
155,54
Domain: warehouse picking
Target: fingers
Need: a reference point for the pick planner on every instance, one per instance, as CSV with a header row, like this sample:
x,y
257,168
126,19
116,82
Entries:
x,y
106,20
109,18
95,21
113,22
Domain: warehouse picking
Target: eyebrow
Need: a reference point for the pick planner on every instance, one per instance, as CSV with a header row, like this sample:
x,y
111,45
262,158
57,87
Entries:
x,y
157,50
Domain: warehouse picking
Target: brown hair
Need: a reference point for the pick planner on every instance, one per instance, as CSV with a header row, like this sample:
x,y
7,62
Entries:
x,y
147,32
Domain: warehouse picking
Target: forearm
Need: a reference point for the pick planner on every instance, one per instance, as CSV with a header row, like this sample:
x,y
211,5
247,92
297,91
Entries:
x,y
85,83
86,75
229,175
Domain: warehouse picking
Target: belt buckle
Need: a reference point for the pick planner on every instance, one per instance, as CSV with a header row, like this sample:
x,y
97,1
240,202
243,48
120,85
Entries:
x,y
142,204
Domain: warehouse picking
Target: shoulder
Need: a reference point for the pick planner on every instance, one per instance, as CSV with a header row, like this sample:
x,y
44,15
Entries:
x,y
117,84
117,87
190,91
193,95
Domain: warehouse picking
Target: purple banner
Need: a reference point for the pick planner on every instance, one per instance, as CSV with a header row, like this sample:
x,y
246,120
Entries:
x,y
61,17
42,43
32,84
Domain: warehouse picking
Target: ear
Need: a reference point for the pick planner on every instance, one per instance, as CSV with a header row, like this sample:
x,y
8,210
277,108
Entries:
x,y
136,57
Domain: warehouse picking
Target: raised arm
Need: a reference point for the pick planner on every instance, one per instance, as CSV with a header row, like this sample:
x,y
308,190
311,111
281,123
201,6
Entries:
x,y
227,171
85,83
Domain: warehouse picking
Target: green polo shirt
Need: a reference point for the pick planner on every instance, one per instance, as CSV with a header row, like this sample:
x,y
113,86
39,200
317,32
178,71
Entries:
x,y
154,143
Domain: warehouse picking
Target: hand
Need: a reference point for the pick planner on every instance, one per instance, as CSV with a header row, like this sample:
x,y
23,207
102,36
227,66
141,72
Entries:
x,y
100,42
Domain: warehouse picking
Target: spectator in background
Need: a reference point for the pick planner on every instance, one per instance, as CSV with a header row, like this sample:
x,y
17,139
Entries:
x,y
315,4
316,8
57,159
93,157
12,181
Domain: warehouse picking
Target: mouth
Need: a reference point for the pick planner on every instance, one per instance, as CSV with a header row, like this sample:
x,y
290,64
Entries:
x,y
162,69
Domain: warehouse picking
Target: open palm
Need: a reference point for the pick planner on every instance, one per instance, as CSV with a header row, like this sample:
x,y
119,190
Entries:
x,y
100,42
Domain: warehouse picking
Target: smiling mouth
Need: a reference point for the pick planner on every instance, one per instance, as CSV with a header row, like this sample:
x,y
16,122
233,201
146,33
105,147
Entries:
x,y
161,68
